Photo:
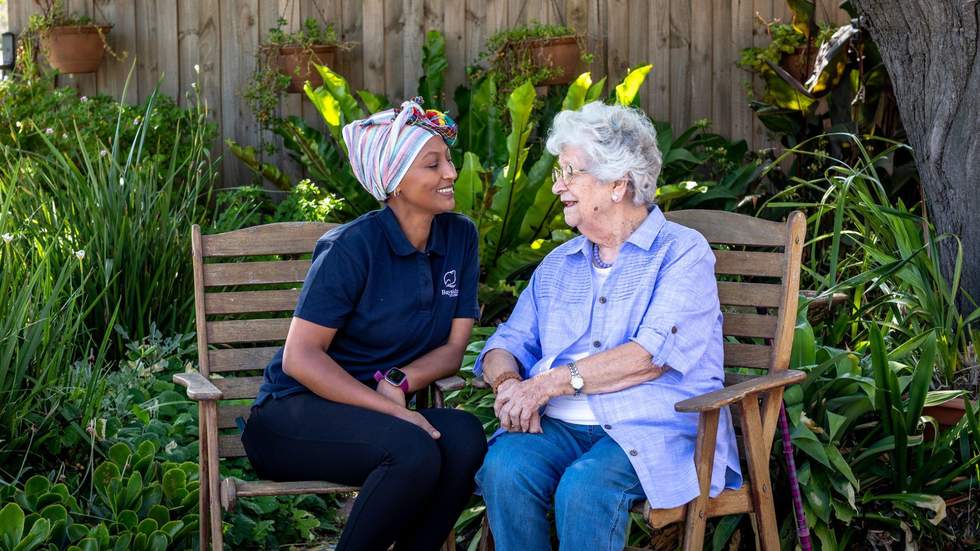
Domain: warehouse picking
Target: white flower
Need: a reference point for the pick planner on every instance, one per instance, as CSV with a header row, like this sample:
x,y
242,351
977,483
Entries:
x,y
137,121
194,85
19,125
65,136
84,99
103,153
80,254
197,68
122,182
7,238
49,131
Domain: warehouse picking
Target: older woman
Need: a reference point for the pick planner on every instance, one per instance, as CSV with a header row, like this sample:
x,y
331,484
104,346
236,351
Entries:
x,y
386,309
615,326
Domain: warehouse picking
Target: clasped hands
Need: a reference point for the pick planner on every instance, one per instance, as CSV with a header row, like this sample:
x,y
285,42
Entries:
x,y
518,405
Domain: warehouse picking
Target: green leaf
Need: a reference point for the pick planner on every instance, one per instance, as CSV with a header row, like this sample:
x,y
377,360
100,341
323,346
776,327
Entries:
x,y
174,480
839,463
627,90
920,382
38,535
940,397
835,423
11,525
804,439
578,90
119,454
134,487
434,65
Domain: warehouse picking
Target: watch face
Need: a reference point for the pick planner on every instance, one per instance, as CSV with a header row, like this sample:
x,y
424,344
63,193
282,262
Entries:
x,y
578,382
395,376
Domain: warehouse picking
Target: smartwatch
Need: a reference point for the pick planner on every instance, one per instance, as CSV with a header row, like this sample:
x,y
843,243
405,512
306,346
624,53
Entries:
x,y
395,377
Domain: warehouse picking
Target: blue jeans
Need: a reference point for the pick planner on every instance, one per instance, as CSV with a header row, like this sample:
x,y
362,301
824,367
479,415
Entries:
x,y
577,468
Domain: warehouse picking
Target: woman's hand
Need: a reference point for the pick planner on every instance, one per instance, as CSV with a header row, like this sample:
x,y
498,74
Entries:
x,y
519,405
392,392
418,420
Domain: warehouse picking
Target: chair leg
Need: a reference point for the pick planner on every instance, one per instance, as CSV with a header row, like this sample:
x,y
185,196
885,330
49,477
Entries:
x,y
204,527
757,459
486,536
214,478
704,458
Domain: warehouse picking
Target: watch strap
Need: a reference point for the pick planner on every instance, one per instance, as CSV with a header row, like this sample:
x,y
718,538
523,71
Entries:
x,y
573,369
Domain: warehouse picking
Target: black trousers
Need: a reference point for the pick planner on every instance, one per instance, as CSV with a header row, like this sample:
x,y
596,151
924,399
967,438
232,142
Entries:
x,y
413,488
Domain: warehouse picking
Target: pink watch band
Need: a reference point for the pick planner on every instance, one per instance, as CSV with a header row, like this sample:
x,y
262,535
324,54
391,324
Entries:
x,y
379,376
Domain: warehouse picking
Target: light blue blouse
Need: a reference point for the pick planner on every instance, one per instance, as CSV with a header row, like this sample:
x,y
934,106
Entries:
x,y
661,294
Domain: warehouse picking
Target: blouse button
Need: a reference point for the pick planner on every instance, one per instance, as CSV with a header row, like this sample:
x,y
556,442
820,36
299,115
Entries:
x,y
602,300
607,427
634,453
596,344
673,329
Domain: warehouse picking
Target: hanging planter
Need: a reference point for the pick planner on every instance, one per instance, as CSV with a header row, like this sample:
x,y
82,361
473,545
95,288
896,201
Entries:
x,y
76,48
70,42
546,55
296,62
561,56
284,64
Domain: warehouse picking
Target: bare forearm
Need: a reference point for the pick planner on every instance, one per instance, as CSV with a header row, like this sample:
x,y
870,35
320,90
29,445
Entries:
x,y
622,367
438,363
317,371
497,362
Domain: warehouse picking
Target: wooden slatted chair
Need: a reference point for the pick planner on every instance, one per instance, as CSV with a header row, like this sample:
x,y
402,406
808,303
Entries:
x,y
233,352
758,265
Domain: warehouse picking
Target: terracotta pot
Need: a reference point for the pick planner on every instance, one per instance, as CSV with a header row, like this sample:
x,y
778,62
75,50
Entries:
x,y
947,414
561,53
75,49
296,62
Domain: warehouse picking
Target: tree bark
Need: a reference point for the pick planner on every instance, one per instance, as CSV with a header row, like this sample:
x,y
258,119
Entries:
x,y
930,48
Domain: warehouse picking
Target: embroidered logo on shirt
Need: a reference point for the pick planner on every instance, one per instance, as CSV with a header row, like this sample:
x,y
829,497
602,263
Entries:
x,y
449,280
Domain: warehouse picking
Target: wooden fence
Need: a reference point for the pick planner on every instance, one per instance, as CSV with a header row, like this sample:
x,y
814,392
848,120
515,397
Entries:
x,y
692,44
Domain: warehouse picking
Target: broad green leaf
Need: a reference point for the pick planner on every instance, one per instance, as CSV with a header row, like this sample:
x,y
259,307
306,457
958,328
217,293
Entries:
x,y
372,102
434,65
940,397
329,108
575,98
36,536
803,15
11,525
835,423
929,502
340,90
804,439
627,90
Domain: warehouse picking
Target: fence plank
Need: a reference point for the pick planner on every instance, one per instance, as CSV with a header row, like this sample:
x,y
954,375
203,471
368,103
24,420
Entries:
x,y
680,55
188,49
413,35
168,52
454,23
239,40
111,77
394,57
209,54
762,11
723,57
618,39
349,32
658,89
147,67
639,40
699,76
743,23
374,49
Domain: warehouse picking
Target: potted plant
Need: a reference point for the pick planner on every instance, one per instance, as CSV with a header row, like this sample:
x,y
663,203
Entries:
x,y
70,42
546,55
285,63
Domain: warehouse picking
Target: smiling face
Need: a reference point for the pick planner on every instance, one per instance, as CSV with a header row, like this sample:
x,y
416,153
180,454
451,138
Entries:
x,y
428,184
584,197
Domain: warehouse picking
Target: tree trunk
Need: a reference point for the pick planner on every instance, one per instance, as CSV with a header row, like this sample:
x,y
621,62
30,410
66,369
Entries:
x,y
930,48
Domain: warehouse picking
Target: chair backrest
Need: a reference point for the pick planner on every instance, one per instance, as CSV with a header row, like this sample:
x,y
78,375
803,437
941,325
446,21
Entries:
x,y
757,263
246,284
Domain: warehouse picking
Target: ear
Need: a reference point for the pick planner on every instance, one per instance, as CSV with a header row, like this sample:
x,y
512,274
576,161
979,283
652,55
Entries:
x,y
621,187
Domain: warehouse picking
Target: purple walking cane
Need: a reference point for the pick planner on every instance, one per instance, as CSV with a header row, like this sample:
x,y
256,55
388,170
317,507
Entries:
x,y
802,530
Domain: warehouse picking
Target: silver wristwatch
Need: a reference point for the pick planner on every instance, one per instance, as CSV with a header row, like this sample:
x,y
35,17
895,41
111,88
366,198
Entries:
x,y
577,381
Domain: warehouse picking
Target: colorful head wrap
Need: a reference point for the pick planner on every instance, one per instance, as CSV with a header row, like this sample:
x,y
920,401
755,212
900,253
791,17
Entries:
x,y
382,147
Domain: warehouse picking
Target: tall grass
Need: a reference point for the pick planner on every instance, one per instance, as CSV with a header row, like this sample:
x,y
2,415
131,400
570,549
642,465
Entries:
x,y
132,212
885,254
95,252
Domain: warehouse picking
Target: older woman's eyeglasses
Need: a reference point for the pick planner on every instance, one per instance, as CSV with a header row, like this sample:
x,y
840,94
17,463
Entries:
x,y
565,174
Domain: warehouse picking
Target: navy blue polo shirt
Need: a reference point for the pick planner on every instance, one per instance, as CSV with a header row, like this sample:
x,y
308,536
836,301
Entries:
x,y
389,302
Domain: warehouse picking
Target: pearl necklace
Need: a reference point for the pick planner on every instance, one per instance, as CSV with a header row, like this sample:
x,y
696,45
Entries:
x,y
597,260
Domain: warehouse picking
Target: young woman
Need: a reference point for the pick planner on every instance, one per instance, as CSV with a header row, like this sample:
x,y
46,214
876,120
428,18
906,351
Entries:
x,y
386,309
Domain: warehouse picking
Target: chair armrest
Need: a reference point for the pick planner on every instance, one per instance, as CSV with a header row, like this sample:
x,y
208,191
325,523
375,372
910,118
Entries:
x,y
198,386
453,382
728,395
